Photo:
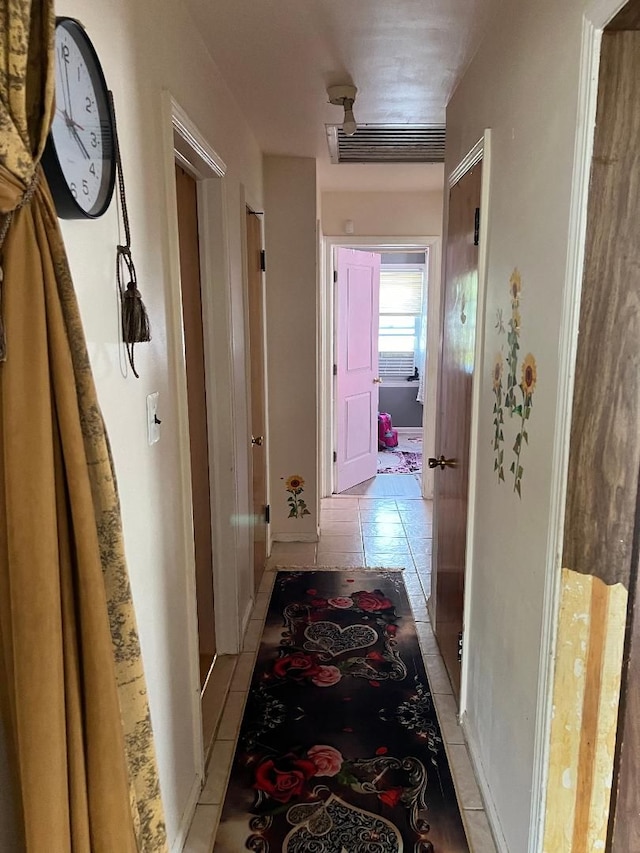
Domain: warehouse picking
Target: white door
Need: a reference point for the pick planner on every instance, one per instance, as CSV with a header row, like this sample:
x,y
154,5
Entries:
x,y
357,381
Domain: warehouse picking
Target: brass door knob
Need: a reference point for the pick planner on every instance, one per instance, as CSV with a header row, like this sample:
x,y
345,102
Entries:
x,y
257,441
442,463
377,381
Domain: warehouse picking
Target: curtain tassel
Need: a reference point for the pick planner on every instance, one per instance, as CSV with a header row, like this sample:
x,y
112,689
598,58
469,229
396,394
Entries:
x,y
135,321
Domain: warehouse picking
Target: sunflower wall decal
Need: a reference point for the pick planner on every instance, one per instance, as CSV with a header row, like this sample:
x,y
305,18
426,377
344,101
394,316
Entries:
x,y
520,385
297,505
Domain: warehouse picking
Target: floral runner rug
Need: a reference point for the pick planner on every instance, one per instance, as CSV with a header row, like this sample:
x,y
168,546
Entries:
x,y
340,749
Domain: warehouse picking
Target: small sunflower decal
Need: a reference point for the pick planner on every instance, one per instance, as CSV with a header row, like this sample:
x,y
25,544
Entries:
x,y
294,483
498,370
529,375
515,287
297,505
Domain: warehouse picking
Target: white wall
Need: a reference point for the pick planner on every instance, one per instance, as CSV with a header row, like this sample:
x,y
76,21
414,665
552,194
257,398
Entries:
x,y
382,214
144,47
523,85
291,319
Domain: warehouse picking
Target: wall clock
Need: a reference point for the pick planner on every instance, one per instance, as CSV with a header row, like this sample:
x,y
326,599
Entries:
x,y
80,158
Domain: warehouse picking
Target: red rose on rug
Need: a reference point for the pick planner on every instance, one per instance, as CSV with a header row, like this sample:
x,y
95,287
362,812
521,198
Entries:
x,y
326,676
295,665
327,759
342,602
390,797
285,777
372,602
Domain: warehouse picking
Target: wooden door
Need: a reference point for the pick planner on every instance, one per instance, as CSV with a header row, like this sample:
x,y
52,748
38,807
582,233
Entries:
x,y
602,520
454,416
258,409
357,320
198,432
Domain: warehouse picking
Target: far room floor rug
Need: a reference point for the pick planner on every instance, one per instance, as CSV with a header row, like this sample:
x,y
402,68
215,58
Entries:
x,y
340,749
399,462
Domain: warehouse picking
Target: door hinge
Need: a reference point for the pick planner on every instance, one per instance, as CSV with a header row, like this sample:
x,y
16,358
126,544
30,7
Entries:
x,y
476,227
460,644
263,260
335,275
267,514
335,456
335,369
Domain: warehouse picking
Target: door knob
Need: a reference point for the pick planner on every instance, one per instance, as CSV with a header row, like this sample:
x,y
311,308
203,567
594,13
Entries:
x,y
442,463
257,440
377,381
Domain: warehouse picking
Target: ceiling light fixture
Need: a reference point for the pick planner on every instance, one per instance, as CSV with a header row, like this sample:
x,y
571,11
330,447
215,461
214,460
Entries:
x,y
344,96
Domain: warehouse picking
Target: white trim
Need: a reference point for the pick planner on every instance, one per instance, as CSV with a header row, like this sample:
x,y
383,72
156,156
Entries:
x,y
247,615
468,162
602,12
326,350
295,537
175,332
187,816
480,151
181,139
195,141
485,792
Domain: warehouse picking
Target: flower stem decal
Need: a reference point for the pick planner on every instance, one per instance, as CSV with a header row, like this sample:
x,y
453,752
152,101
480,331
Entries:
x,y
297,505
518,398
498,417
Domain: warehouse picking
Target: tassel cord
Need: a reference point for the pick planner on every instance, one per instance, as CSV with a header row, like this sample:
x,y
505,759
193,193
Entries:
x,y
134,318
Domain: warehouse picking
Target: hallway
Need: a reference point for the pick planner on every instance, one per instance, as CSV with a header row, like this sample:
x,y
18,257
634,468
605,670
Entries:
x,y
353,532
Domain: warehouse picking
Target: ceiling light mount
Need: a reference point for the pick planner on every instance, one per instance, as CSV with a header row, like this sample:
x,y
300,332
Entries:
x,y
344,96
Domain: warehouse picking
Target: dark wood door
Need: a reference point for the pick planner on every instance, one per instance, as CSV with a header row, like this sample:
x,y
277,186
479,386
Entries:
x,y
258,413
186,190
454,416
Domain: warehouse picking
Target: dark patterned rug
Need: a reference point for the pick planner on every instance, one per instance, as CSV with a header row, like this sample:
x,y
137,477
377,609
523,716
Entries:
x,y
340,750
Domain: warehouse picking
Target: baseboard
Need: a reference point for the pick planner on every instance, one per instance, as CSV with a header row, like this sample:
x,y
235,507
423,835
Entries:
x,y
295,537
187,817
245,621
483,785
404,430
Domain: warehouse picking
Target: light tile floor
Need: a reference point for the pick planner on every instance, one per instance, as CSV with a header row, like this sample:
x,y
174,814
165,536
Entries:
x,y
353,532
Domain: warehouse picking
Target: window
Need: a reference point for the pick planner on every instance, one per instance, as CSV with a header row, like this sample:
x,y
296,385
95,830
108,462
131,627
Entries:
x,y
401,308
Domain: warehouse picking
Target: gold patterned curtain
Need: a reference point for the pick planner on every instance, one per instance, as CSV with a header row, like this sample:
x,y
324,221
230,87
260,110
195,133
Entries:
x,y
72,685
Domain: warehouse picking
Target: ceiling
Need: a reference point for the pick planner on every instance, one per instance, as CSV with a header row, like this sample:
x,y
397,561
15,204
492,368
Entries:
x,y
279,56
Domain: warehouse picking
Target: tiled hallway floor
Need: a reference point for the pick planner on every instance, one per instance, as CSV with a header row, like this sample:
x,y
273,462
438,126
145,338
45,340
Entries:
x,y
353,532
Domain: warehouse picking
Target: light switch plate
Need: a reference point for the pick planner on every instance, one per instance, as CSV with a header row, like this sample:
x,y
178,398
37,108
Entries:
x,y
153,423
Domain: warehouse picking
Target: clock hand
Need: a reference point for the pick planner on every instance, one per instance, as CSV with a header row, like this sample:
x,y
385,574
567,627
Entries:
x,y
64,93
76,136
66,77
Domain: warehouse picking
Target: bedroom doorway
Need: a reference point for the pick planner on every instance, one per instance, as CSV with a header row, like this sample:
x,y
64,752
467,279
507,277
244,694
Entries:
x,y
406,341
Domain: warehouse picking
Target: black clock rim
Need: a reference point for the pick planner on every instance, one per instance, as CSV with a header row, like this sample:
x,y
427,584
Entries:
x,y
66,205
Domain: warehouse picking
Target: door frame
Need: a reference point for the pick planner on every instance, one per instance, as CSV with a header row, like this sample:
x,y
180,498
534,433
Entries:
x,y
182,142
481,151
596,17
326,410
249,205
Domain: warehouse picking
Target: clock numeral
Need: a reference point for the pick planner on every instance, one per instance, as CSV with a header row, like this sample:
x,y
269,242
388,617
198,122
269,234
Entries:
x,y
88,104
85,187
92,169
94,140
74,190
65,53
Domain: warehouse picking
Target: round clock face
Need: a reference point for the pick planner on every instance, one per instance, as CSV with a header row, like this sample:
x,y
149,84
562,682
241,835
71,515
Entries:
x,y
80,160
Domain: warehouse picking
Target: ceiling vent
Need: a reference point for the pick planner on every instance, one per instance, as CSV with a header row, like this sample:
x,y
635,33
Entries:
x,y
387,143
